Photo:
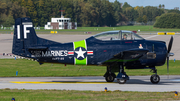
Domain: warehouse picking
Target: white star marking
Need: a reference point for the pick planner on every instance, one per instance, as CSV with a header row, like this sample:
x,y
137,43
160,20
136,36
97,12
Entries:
x,y
80,53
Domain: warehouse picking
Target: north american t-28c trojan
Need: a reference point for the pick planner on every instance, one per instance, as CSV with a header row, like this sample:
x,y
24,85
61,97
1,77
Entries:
x,y
115,49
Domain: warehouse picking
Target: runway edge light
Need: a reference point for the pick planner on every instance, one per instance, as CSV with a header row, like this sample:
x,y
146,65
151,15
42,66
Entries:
x,y
16,73
13,99
176,93
105,89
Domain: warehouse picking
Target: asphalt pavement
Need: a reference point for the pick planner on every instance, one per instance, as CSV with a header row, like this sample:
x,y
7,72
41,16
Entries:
x,y
136,83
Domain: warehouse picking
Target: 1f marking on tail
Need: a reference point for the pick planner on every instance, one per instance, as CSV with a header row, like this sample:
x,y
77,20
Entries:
x,y
25,31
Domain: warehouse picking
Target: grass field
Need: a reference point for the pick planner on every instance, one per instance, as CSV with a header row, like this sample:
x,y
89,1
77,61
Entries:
x,y
95,30
28,68
67,95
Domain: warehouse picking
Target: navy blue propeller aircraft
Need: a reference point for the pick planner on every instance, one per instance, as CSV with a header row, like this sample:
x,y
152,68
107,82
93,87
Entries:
x,y
115,49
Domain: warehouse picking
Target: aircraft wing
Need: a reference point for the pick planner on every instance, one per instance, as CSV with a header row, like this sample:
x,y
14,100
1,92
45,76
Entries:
x,y
127,56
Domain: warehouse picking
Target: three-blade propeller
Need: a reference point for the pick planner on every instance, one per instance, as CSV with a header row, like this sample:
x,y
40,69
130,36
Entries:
x,y
168,53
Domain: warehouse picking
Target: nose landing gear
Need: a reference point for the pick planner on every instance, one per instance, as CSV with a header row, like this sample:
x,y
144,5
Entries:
x,y
154,78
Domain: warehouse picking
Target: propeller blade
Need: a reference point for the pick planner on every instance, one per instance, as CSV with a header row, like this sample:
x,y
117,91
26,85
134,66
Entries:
x,y
168,66
170,44
168,53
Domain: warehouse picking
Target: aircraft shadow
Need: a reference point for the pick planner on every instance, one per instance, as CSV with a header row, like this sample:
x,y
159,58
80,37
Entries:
x,y
148,82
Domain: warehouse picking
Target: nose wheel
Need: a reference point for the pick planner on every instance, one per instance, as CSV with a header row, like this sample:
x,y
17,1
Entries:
x,y
155,78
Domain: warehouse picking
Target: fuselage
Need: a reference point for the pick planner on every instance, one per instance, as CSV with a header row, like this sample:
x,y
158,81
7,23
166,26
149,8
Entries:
x,y
101,49
93,51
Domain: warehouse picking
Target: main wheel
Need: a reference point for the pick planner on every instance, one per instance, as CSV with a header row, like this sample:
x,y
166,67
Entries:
x,y
109,78
155,79
121,81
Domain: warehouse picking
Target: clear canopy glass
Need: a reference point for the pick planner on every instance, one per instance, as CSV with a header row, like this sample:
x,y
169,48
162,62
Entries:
x,y
118,35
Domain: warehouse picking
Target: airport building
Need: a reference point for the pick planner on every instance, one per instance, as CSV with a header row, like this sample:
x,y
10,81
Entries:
x,y
61,23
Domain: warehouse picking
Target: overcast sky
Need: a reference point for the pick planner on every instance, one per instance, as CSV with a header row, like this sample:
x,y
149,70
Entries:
x,y
169,4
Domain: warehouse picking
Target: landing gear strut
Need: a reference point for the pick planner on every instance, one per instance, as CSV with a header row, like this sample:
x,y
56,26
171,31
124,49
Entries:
x,y
122,77
154,78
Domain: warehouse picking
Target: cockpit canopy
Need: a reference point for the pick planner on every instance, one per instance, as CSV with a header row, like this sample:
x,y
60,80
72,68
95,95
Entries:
x,y
118,35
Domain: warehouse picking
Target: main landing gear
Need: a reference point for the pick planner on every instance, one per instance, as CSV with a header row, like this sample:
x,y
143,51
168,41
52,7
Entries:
x,y
109,76
121,77
154,78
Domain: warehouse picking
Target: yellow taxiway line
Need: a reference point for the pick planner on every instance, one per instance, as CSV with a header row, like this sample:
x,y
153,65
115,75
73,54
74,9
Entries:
x,y
37,82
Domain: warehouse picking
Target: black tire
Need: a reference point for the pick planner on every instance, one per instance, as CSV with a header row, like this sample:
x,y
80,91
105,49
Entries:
x,y
155,79
121,81
109,78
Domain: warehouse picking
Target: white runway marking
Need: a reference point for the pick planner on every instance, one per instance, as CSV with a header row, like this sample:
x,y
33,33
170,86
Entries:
x,y
151,36
175,80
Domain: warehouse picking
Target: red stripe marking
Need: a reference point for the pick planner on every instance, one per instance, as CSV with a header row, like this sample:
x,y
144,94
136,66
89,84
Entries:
x,y
90,52
128,42
70,52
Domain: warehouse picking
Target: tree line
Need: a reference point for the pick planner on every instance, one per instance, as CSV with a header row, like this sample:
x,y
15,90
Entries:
x,y
84,12
169,20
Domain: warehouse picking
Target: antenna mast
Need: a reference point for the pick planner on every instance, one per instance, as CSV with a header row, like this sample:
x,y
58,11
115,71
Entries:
x,y
62,13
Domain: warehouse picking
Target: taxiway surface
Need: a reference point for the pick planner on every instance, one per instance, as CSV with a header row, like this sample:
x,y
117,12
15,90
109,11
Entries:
x,y
136,83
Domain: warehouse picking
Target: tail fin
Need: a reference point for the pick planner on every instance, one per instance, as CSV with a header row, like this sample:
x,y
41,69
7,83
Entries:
x,y
24,35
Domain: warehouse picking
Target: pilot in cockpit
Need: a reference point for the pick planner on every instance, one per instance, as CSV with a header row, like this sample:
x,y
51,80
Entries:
x,y
124,37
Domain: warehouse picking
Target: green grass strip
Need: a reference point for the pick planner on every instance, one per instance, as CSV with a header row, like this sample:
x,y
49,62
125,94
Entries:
x,y
28,68
72,95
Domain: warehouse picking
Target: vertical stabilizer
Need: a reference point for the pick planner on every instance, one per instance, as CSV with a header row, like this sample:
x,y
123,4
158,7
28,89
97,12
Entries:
x,y
24,36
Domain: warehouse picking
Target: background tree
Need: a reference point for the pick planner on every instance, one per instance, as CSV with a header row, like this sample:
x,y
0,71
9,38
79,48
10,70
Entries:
x,y
169,20
144,19
117,8
163,6
84,12
125,5
173,11
160,6
139,19
32,13
9,21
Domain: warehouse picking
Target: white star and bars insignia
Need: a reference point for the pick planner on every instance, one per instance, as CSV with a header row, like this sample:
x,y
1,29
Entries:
x,y
72,52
